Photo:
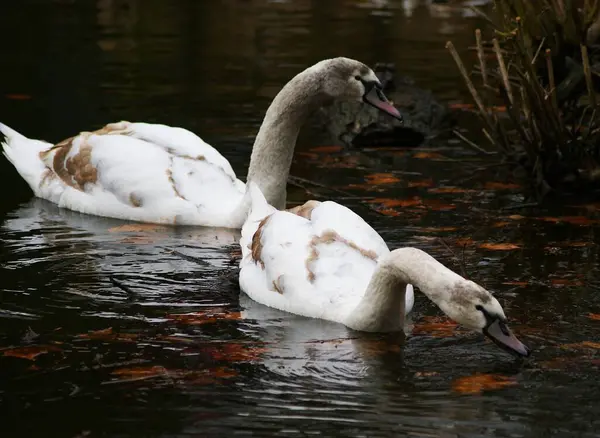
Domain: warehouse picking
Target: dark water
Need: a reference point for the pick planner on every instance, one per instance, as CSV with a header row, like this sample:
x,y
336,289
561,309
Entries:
x,y
110,329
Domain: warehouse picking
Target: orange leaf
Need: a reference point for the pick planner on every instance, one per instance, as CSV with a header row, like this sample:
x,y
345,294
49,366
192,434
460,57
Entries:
x,y
388,212
428,155
500,224
461,106
236,352
436,205
464,241
387,202
134,228
29,352
515,217
499,246
204,317
516,283
334,148
594,316
494,185
308,155
424,183
139,372
478,383
566,282
16,96
579,345
437,230
574,220
448,190
107,334
435,326
382,178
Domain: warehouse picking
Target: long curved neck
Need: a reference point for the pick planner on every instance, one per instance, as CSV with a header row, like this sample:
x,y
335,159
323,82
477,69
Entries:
x,y
382,306
274,145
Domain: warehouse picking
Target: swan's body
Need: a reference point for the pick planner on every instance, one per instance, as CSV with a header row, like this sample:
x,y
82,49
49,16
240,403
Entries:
x,y
323,261
156,173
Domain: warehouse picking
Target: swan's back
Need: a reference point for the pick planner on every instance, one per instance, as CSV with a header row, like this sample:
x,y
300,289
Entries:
x,y
315,263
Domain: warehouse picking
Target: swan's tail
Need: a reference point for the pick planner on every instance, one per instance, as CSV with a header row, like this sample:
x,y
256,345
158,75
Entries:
x,y
23,153
259,208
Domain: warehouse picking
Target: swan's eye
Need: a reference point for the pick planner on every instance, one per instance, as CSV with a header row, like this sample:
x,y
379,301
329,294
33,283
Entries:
x,y
358,78
479,307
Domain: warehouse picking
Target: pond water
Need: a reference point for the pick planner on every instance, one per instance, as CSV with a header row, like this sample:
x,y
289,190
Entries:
x,y
117,329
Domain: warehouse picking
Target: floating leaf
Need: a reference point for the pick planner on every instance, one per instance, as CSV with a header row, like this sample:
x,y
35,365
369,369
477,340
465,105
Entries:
x,y
461,106
29,352
449,190
500,224
499,246
135,228
436,326
107,334
494,185
203,377
428,156
594,316
437,230
204,317
139,372
436,205
580,345
381,178
319,149
465,241
515,217
309,155
236,352
573,220
516,283
16,96
387,202
478,383
424,183
388,212
566,282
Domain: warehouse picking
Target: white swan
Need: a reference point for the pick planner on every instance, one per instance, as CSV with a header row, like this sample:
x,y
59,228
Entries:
x,y
156,173
321,260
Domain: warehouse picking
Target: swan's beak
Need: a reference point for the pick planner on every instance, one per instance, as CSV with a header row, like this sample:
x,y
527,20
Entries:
x,y
499,332
375,97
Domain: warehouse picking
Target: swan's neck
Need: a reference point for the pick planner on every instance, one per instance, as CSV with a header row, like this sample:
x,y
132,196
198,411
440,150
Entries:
x,y
382,306
274,145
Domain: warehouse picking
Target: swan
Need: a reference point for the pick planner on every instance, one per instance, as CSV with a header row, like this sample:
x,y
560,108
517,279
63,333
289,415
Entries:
x,y
161,174
322,260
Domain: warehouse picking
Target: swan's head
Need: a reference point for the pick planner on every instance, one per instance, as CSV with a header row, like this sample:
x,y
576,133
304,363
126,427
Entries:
x,y
348,79
474,307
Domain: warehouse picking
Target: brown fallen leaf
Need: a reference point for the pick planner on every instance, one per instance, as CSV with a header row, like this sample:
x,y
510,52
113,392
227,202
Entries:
x,y
236,352
387,202
500,224
515,217
494,185
499,246
437,229
437,205
309,155
135,228
381,178
464,241
107,334
388,212
16,96
478,383
333,148
573,220
30,352
204,317
439,327
424,183
594,316
580,345
449,190
428,156
566,282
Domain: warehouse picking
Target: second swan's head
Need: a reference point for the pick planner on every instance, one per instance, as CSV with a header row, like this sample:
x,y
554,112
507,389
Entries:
x,y
348,79
474,307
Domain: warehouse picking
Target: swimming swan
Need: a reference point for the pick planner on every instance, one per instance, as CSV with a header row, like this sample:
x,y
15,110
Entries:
x,y
156,173
321,260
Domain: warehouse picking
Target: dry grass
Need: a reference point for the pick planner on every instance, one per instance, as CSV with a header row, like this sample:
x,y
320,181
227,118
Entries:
x,y
542,64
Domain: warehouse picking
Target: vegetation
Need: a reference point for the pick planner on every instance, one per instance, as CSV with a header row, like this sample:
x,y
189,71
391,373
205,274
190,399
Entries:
x,y
543,64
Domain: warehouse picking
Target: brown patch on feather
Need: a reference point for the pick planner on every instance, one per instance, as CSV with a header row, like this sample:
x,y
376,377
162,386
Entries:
x,y
305,210
256,246
276,285
134,200
328,237
172,180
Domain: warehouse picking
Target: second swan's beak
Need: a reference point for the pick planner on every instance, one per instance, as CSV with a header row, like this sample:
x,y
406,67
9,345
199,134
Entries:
x,y
375,97
499,332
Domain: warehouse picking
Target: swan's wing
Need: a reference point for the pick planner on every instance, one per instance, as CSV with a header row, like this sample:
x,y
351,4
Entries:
x,y
289,266
112,173
333,216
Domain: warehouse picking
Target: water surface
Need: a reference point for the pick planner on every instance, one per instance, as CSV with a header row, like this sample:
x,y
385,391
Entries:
x,y
117,329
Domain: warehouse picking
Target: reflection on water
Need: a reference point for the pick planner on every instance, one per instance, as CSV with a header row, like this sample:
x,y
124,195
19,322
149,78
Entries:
x,y
121,329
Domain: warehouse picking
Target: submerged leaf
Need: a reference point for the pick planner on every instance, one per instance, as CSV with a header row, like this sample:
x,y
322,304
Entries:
x,y
594,316
449,190
428,156
204,317
494,185
135,228
499,246
387,202
30,352
478,383
381,178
